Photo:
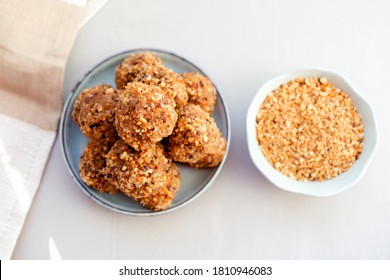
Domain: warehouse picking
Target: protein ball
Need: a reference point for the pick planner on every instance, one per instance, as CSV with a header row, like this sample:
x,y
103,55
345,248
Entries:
x,y
92,164
94,112
137,173
170,82
147,68
212,156
162,198
201,91
196,139
144,115
134,65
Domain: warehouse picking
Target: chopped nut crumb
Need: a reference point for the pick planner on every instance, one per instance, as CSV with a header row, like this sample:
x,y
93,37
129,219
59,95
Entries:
x,y
309,130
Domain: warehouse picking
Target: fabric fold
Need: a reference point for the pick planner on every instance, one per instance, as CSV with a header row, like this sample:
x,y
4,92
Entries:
x,y
36,37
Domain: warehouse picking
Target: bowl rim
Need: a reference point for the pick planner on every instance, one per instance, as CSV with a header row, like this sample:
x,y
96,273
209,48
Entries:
x,y
65,112
253,146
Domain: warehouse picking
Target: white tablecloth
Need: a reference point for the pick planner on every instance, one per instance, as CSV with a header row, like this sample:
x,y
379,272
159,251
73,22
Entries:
x,y
240,44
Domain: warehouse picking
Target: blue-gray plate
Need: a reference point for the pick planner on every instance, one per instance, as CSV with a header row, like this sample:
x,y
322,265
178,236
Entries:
x,y
194,181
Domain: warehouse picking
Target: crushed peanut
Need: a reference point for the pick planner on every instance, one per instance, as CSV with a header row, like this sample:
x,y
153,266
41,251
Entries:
x,y
309,130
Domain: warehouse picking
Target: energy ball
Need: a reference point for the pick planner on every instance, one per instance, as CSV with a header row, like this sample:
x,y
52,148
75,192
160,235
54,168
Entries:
x,y
134,65
94,112
201,91
141,174
162,198
170,82
212,157
196,139
147,68
92,164
144,115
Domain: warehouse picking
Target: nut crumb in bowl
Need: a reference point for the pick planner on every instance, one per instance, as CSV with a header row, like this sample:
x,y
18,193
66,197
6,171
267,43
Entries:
x,y
316,188
309,130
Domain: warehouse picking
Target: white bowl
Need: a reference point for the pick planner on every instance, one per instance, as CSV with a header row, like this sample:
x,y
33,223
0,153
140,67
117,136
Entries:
x,y
325,188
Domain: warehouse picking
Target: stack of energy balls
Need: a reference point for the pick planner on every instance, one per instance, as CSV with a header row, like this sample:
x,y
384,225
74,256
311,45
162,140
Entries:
x,y
154,117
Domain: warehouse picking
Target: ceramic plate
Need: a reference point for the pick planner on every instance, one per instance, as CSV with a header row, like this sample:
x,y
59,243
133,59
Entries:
x,y
194,181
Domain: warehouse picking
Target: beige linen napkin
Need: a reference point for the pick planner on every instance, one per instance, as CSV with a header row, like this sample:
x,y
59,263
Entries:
x,y
36,37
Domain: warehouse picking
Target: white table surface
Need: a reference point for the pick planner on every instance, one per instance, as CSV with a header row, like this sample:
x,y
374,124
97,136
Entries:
x,y
240,44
